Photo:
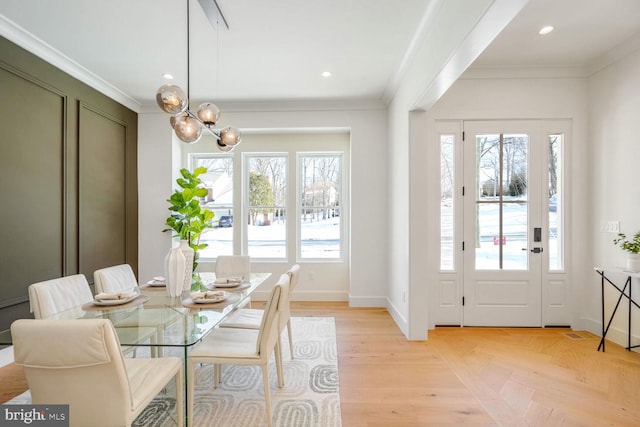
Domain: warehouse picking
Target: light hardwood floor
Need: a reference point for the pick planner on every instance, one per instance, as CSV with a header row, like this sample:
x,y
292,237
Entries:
x,y
469,376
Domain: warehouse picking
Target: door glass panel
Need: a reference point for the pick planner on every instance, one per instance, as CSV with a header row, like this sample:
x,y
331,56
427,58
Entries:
x,y
446,202
501,202
556,258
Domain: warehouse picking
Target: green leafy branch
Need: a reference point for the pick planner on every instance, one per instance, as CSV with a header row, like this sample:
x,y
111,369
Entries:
x,y
188,219
631,246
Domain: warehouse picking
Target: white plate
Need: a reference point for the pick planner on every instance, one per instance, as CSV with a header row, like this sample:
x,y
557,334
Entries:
x,y
232,286
115,301
156,283
211,300
225,285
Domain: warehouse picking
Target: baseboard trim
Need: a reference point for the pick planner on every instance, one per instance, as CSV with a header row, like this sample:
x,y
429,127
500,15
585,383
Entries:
x,y
367,301
616,335
306,296
400,320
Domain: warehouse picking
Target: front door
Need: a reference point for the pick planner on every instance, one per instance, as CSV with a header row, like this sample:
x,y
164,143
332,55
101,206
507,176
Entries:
x,y
503,236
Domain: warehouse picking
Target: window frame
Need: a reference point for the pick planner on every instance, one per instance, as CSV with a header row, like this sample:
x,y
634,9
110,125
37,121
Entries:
x,y
245,208
298,209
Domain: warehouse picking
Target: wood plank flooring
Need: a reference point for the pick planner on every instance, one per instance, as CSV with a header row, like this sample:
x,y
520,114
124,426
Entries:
x,y
467,376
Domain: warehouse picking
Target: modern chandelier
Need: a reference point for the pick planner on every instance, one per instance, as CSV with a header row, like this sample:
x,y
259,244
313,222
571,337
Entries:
x,y
187,125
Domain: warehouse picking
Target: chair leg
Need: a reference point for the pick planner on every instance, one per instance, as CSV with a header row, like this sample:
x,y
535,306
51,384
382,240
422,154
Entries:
x,y
290,338
160,340
191,376
154,349
278,351
180,398
267,392
216,375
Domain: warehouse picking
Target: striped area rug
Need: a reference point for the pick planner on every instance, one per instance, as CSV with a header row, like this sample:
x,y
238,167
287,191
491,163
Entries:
x,y
309,398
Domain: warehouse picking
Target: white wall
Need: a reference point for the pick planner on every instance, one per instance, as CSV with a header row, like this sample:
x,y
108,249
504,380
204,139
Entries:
x,y
452,35
614,111
366,279
387,266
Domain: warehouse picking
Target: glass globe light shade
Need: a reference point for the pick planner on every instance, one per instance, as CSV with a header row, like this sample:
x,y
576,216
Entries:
x,y
172,99
208,113
230,136
172,119
225,148
188,129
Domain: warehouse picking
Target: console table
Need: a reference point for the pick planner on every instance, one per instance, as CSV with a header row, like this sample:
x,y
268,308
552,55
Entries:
x,y
624,292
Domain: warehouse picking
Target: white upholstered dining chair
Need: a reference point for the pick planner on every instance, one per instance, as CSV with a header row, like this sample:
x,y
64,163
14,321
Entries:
x,y
80,363
69,293
56,295
233,266
249,318
233,346
118,278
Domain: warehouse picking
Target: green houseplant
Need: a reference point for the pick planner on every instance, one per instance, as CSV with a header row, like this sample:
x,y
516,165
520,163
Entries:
x,y
632,248
188,218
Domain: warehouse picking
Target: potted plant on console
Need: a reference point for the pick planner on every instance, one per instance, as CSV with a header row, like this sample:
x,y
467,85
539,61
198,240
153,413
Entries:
x,y
188,220
632,248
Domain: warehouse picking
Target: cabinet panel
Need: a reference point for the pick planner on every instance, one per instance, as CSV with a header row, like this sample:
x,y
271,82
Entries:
x,y
31,185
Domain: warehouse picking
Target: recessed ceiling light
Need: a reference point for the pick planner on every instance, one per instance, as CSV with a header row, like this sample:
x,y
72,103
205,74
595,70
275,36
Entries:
x,y
545,30
168,76
326,74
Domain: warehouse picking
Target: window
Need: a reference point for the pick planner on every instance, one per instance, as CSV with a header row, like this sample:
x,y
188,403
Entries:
x,y
319,205
447,217
556,261
277,197
266,201
219,183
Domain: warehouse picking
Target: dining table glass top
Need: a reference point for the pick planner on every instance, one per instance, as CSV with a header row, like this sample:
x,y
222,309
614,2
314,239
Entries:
x,y
156,319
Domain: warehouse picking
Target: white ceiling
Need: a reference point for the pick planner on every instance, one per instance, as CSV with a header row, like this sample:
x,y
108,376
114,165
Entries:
x,y
584,31
277,50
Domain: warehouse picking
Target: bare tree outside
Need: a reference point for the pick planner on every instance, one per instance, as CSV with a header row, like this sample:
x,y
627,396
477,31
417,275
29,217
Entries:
x,y
320,204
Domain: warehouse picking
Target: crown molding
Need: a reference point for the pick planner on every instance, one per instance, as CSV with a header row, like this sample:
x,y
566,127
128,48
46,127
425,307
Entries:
x,y
524,72
614,55
18,35
286,106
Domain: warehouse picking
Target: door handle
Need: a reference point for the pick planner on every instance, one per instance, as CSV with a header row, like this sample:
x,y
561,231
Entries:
x,y
536,250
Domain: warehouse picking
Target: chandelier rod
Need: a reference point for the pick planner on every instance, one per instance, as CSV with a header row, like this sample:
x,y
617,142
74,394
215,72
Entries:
x,y
188,52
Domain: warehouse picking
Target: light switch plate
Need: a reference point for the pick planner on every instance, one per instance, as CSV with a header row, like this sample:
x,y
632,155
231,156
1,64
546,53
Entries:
x,y
613,226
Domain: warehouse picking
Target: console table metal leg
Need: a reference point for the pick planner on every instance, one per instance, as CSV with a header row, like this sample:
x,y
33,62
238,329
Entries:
x,y
622,293
615,309
601,345
629,327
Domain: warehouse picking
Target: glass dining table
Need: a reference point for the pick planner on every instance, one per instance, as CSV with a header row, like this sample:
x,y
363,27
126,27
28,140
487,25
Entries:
x,y
160,322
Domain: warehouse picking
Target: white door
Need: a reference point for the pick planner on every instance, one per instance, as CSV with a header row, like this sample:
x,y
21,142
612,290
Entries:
x,y
503,236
